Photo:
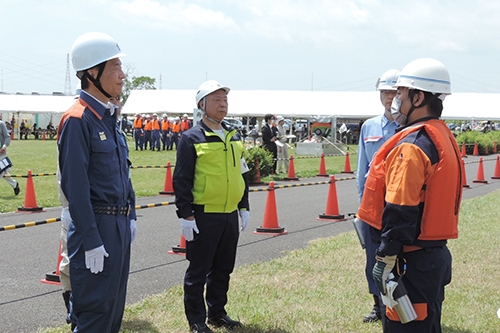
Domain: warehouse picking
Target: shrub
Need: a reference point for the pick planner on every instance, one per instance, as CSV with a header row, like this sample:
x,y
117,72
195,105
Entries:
x,y
483,140
265,158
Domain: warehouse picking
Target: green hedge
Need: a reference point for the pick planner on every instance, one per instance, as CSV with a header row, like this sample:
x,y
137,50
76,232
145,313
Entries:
x,y
265,158
483,140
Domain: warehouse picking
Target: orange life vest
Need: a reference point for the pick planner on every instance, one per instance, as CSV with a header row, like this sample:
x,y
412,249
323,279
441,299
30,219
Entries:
x,y
155,125
138,123
185,125
176,127
148,125
440,215
165,125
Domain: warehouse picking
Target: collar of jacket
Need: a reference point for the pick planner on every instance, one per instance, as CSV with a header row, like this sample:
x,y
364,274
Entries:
x,y
205,128
421,120
93,103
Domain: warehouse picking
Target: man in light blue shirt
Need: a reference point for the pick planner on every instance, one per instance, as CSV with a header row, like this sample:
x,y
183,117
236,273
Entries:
x,y
374,133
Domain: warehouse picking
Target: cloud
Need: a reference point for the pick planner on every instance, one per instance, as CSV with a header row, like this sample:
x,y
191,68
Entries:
x,y
444,25
176,15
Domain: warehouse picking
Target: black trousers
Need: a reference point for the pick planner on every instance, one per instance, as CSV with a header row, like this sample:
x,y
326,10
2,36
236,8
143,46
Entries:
x,y
428,271
211,256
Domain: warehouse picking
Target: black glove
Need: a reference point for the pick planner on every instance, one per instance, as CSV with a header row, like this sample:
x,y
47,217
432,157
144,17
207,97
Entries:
x,y
382,269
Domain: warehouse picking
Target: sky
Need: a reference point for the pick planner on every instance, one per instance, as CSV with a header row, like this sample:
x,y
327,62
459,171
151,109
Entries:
x,y
320,45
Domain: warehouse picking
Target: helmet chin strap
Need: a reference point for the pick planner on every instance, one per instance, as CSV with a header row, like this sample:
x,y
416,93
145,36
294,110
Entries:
x,y
96,81
413,107
205,112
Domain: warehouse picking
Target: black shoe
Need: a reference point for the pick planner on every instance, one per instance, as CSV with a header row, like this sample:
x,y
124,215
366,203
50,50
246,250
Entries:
x,y
16,189
200,328
373,316
224,320
66,296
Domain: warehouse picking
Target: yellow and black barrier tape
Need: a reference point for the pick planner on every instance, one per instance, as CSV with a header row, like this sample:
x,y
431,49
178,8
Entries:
x,y
29,224
166,203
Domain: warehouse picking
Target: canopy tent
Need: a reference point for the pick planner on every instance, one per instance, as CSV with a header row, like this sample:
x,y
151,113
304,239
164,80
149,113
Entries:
x,y
35,103
303,104
48,107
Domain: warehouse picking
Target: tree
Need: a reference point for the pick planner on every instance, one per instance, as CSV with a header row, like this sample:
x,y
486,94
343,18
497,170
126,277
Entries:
x,y
136,83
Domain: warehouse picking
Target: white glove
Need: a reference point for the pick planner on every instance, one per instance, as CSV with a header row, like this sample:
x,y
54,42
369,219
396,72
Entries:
x,y
187,228
94,259
133,231
245,217
65,218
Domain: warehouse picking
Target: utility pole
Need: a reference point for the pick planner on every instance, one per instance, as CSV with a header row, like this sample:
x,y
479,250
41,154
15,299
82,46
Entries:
x,y
67,84
160,82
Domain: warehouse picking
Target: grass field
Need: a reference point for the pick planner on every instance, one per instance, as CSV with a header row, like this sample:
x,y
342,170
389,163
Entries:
x,y
322,288
41,157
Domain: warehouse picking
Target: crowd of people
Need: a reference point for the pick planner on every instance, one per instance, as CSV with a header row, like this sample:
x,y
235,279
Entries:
x,y
159,134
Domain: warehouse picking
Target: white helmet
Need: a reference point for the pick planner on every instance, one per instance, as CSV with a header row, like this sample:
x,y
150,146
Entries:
x,y
164,115
207,88
93,48
388,80
425,74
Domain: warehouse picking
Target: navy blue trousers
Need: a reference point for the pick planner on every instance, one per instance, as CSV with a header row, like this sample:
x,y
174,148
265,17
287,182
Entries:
x,y
211,257
371,248
98,300
428,271
138,136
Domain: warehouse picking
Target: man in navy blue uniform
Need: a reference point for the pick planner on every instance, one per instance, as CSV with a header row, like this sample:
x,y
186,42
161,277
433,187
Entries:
x,y
95,180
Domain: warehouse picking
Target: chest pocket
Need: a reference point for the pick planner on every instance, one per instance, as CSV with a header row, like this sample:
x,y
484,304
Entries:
x,y
104,157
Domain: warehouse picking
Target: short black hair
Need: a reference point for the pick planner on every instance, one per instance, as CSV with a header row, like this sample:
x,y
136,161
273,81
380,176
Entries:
x,y
268,116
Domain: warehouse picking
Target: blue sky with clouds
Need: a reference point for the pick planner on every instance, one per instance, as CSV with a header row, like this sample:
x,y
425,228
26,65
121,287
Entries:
x,y
340,45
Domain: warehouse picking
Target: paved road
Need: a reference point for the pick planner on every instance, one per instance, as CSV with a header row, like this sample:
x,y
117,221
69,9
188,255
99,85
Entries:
x,y
28,253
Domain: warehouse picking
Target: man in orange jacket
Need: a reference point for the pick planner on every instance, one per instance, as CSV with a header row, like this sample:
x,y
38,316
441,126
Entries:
x,y
412,199
138,131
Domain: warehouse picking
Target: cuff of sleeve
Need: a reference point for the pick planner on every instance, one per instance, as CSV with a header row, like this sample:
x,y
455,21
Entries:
x,y
92,241
390,248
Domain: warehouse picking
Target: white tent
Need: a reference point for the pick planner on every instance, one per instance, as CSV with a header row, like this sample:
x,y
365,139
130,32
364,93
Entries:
x,y
298,104
36,108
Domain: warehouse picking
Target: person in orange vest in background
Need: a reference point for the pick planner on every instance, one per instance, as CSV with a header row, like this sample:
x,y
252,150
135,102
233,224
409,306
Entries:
x,y
147,132
165,131
176,130
412,202
138,131
185,123
155,133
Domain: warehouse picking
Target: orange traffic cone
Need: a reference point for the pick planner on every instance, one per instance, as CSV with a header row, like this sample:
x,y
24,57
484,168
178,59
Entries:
x,y
179,249
494,151
270,225
30,205
480,173
322,168
464,177
168,188
256,181
486,150
347,166
476,152
291,170
332,205
43,136
54,277
496,175
464,154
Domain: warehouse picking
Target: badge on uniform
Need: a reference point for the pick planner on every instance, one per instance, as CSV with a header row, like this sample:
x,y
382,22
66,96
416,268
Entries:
x,y
102,136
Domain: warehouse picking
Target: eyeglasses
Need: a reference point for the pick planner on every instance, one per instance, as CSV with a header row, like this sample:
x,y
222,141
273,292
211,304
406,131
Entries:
x,y
389,92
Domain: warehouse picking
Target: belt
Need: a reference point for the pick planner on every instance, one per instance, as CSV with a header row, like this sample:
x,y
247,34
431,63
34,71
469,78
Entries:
x,y
112,210
411,248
